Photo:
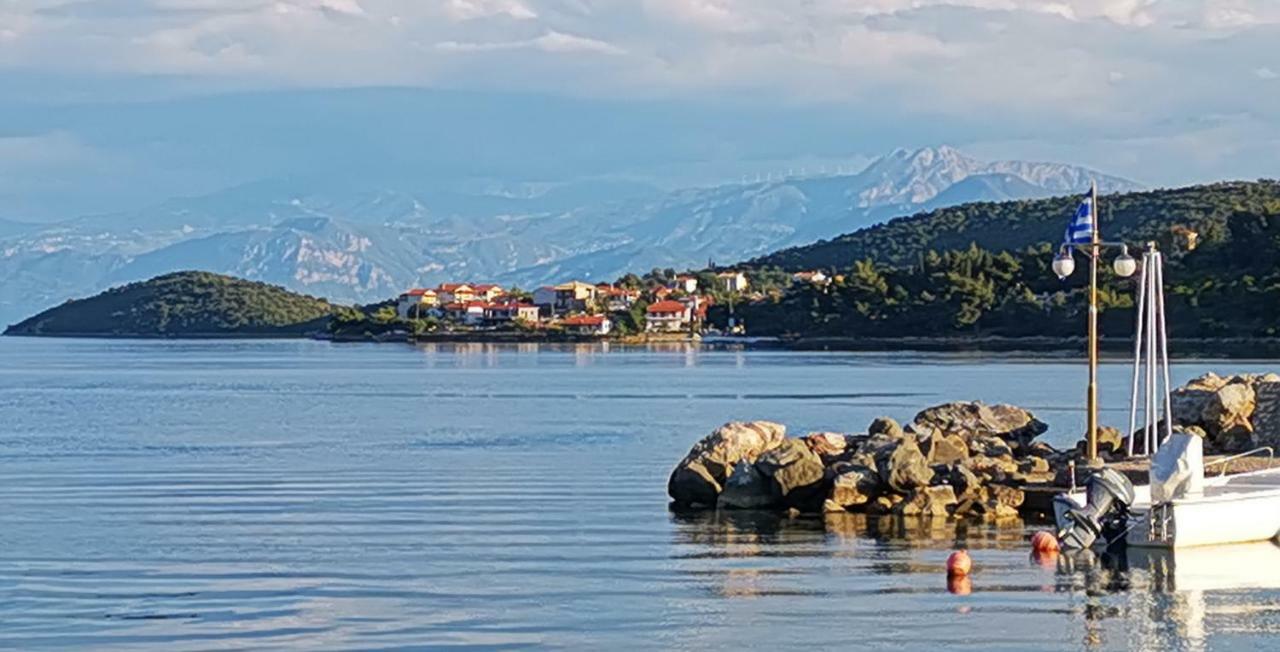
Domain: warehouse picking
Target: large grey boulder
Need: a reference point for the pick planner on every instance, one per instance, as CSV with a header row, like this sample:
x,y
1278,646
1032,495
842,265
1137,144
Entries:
x,y
747,488
928,501
698,479
1266,414
969,419
903,467
798,474
853,488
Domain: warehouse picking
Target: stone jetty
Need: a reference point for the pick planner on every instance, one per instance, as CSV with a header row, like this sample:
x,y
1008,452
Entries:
x,y
961,459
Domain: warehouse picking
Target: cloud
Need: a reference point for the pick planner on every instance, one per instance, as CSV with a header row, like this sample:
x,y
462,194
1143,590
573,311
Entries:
x,y
1107,67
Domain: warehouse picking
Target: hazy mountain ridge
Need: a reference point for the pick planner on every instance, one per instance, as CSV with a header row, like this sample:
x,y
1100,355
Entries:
x,y
361,245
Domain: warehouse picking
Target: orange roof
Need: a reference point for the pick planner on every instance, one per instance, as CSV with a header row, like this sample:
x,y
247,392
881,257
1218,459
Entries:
x,y
665,306
485,287
584,320
417,292
450,287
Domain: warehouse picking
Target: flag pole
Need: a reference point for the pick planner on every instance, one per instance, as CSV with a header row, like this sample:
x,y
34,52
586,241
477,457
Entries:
x,y
1092,400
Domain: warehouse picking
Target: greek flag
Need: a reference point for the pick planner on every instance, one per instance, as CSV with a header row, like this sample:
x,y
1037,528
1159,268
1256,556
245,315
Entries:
x,y
1080,231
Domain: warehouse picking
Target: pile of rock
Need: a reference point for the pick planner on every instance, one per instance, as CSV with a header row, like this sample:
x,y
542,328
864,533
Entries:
x,y
1234,414
961,459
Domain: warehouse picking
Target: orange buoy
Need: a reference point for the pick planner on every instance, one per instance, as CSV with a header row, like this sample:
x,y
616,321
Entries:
x,y
959,563
1043,542
959,584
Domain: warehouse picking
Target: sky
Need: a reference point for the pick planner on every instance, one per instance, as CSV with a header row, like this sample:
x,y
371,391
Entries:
x,y
111,104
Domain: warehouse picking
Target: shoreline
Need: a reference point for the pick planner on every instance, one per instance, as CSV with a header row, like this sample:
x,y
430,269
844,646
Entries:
x,y
1232,348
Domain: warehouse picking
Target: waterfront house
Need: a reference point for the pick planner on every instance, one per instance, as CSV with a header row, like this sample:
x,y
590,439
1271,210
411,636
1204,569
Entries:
x,y
667,317
470,313
575,296
732,281
588,324
505,313
455,293
416,303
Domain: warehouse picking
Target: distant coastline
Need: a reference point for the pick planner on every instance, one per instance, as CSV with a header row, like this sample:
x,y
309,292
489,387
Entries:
x,y
1049,347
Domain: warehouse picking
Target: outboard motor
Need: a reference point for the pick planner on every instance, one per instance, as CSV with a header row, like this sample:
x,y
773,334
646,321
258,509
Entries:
x,y
1108,494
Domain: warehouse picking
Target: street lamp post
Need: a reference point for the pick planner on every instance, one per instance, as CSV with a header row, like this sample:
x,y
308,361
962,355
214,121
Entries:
x,y
1124,266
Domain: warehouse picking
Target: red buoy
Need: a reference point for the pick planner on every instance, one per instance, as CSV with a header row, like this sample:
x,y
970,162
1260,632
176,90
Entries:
x,y
959,564
1043,542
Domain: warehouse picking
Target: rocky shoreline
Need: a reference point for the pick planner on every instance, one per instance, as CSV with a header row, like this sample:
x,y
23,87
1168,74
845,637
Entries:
x,y
955,460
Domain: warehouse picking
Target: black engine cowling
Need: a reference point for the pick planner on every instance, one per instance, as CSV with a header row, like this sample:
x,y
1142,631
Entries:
x,y
1108,496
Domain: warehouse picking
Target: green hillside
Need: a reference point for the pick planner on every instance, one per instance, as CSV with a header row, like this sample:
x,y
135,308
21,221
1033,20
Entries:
x,y
1013,225
183,304
983,270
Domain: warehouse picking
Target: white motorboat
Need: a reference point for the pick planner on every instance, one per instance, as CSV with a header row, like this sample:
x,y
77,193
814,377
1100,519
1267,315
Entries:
x,y
1179,508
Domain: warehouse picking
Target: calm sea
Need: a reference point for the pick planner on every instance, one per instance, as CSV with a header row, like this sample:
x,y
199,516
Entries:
x,y
306,495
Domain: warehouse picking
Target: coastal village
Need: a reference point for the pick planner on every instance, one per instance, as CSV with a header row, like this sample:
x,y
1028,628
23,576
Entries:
x,y
661,304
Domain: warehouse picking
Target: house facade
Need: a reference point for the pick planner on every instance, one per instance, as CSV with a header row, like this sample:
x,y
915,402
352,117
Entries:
x,y
575,296
505,313
588,324
416,303
732,281
455,293
667,317
487,291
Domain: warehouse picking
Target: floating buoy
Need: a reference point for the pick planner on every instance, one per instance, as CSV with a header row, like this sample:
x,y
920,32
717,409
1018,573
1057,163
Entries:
x,y
959,564
959,584
1043,542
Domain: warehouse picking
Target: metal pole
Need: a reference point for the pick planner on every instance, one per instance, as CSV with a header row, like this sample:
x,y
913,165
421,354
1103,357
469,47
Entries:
x,y
1093,331
1137,355
1164,346
1151,354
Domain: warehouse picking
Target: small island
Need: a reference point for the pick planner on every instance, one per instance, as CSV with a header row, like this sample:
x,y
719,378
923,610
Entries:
x,y
184,304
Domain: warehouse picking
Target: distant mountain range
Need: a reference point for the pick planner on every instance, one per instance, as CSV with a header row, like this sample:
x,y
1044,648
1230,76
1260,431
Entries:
x,y
362,245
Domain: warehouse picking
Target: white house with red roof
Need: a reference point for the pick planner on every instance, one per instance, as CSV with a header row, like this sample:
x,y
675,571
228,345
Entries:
x,y
667,317
588,324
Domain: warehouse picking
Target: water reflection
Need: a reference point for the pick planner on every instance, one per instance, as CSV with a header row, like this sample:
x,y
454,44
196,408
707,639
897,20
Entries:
x,y
1136,599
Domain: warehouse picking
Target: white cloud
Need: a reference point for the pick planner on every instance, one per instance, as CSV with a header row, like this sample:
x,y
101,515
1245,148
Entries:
x,y
1111,66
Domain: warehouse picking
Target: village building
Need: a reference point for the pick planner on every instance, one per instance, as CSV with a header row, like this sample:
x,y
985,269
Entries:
x,y
470,313
667,317
505,313
816,277
588,324
687,283
416,302
455,293
575,296
545,297
618,299
487,291
732,281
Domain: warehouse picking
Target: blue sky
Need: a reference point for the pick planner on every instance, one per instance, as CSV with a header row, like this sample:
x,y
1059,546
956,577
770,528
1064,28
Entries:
x,y
116,103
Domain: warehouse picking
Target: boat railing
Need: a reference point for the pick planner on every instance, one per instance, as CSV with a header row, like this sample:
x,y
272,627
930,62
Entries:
x,y
1271,454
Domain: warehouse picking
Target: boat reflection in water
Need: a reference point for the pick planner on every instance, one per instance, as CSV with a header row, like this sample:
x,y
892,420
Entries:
x,y
821,579
1176,599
